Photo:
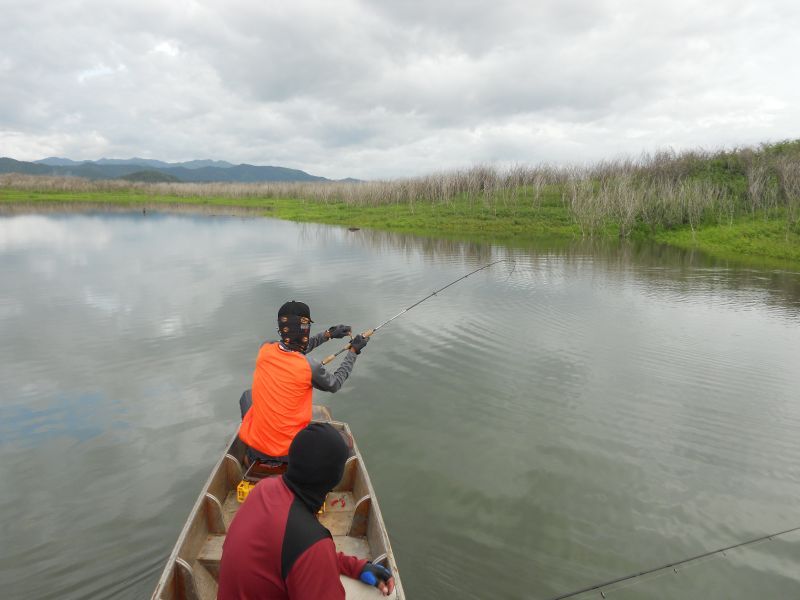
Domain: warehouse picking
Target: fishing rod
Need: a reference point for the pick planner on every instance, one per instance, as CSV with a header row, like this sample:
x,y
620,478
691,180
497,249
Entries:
x,y
670,565
370,332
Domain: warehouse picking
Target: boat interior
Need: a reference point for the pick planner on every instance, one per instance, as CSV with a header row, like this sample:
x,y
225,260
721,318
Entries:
x,y
350,513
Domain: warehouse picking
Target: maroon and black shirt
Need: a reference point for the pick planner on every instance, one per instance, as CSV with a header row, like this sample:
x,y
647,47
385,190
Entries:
x,y
276,548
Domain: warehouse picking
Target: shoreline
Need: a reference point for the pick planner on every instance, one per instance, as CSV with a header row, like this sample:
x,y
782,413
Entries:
x,y
749,242
50,207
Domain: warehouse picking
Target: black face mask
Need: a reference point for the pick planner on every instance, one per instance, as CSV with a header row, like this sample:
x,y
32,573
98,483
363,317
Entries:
x,y
294,331
316,463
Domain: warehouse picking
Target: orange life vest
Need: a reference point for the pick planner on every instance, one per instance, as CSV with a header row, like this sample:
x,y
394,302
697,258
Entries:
x,y
282,395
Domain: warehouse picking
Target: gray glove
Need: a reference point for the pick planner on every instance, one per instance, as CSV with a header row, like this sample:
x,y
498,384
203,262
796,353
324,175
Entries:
x,y
339,331
358,343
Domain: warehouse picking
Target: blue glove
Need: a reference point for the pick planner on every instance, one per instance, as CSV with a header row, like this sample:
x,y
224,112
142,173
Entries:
x,y
371,574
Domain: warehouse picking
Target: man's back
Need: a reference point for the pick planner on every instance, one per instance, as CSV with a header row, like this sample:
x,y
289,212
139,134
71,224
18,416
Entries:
x,y
282,397
275,548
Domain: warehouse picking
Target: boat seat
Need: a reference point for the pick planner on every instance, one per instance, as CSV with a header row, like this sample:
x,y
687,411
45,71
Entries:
x,y
211,553
258,470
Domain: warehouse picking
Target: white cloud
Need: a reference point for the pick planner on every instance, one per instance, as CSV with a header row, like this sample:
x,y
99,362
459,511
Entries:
x,y
168,48
39,232
100,70
378,89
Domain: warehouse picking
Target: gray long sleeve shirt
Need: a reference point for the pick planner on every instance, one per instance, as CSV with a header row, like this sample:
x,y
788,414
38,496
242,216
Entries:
x,y
321,378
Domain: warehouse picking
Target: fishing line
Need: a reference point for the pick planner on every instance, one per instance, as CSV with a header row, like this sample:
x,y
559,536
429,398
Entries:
x,y
513,268
670,565
370,332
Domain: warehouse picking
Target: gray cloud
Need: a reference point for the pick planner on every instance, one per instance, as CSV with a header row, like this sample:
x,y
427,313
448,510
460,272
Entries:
x,y
383,89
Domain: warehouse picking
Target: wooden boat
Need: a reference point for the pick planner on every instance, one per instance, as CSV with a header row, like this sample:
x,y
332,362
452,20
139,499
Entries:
x,y
351,514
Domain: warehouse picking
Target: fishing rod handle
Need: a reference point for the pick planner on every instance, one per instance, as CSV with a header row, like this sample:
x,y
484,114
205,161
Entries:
x,y
328,359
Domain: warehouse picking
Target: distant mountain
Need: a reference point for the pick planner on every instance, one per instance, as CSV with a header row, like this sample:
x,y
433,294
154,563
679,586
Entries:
x,y
241,173
151,177
205,171
139,162
199,164
9,165
55,161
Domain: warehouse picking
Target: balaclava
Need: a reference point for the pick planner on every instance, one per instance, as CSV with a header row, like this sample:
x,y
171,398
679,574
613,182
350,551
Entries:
x,y
316,463
294,325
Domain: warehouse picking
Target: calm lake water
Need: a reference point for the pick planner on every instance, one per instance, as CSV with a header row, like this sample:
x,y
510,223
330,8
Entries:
x,y
591,412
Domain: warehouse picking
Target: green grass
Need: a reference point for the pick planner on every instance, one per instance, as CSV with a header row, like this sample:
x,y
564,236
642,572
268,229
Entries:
x,y
457,220
513,223
750,240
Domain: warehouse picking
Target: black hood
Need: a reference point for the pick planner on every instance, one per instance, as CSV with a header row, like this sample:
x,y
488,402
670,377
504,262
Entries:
x,y
316,463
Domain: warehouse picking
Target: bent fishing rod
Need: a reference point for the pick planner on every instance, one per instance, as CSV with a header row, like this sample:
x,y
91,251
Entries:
x,y
370,332
672,565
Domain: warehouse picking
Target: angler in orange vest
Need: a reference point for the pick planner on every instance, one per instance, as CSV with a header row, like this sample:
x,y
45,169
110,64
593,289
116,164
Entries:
x,y
283,380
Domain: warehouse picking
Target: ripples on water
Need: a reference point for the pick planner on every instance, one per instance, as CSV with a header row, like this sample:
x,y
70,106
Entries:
x,y
539,427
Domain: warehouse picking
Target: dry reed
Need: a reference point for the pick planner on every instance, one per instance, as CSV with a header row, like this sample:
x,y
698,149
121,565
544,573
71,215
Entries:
x,y
664,189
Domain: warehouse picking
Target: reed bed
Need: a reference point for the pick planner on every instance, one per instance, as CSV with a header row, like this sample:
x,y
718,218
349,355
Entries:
x,y
663,190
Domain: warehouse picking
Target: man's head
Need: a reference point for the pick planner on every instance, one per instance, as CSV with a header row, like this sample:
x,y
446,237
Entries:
x,y
316,463
294,325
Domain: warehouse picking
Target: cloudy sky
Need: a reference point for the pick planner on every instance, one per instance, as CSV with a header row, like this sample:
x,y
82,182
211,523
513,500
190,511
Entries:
x,y
380,89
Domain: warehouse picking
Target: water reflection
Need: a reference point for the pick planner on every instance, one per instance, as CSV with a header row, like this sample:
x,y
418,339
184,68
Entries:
x,y
596,409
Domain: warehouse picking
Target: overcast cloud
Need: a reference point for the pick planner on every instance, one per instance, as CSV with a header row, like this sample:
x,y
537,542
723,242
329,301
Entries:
x,y
387,89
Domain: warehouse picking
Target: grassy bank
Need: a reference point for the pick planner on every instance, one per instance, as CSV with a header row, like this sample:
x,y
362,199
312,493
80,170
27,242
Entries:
x,y
458,219
740,204
755,241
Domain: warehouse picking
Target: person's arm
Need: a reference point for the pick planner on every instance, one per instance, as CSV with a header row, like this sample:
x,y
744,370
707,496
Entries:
x,y
350,565
316,340
324,380
337,331
315,574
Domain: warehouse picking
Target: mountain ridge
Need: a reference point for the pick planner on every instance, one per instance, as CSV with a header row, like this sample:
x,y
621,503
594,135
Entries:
x,y
194,171
57,161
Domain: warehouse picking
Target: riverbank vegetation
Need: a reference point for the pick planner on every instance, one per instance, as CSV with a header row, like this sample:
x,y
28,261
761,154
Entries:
x,y
742,202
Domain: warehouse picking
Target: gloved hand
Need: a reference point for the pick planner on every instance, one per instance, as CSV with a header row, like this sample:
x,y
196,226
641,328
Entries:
x,y
339,331
357,344
379,576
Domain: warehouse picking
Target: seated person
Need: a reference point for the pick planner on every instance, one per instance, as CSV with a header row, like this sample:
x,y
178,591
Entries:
x,y
283,380
277,548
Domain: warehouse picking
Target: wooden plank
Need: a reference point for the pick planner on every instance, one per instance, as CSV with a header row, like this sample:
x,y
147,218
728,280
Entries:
x,y
348,477
229,508
376,534
205,583
233,470
339,502
186,584
358,527
193,536
358,547
361,485
356,590
338,523
213,510
218,485
338,515
211,553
